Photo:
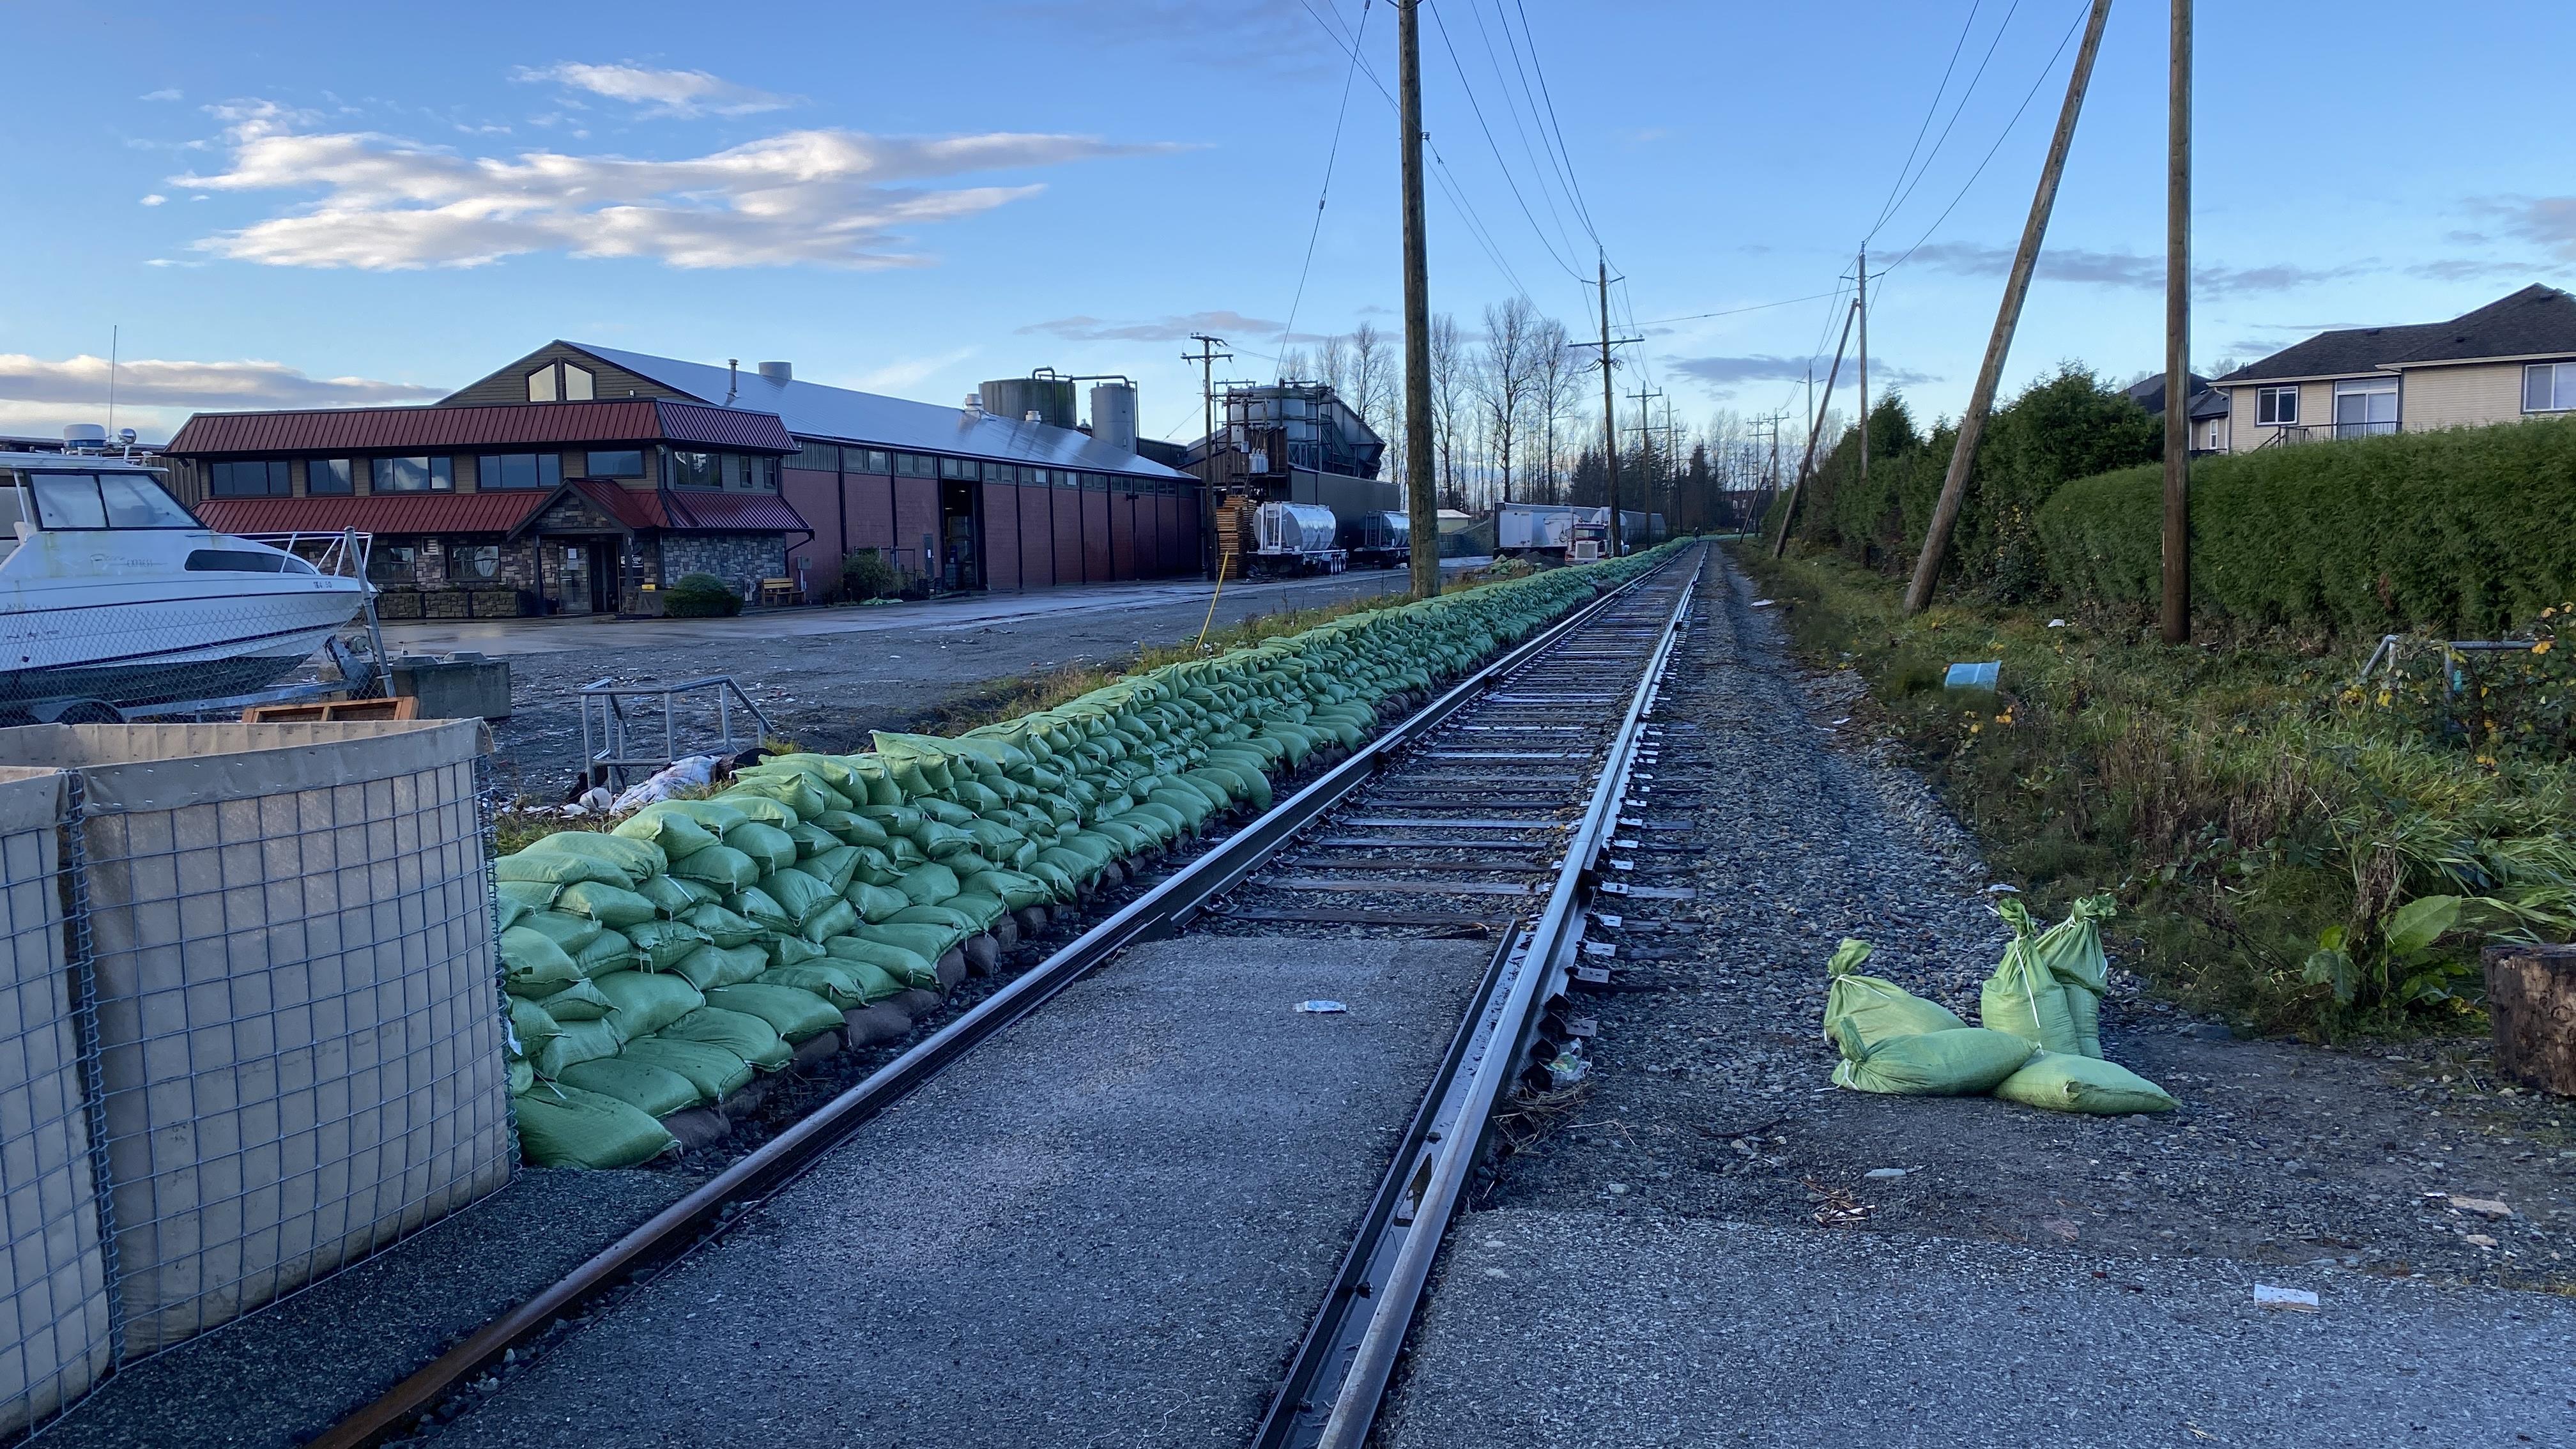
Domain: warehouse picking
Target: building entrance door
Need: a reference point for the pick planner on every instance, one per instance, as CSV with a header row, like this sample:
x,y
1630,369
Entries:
x,y
960,560
604,577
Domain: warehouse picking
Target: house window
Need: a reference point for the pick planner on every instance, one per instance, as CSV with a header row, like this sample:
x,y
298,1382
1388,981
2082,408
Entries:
x,y
2365,407
2276,406
413,475
541,384
763,473
330,475
518,470
576,383
2549,387
473,563
265,479
691,470
626,464
393,564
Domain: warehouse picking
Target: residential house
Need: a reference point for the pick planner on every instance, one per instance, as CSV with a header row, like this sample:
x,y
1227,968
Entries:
x,y
2511,360
2209,421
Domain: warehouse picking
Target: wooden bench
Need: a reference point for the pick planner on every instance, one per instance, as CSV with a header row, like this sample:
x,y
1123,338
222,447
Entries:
x,y
777,593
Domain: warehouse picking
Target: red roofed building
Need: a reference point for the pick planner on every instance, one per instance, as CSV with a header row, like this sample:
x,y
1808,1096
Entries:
x,y
587,506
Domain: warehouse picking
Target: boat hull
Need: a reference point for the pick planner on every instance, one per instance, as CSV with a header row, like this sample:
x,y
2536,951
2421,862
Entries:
x,y
174,643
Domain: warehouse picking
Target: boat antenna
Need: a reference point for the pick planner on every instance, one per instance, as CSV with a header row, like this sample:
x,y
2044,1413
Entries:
x,y
112,338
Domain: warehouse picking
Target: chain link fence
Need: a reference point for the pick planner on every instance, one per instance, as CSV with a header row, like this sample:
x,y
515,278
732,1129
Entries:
x,y
253,1030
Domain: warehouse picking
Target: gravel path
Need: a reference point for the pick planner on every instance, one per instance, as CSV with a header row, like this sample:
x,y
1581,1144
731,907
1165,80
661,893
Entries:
x,y
1707,1122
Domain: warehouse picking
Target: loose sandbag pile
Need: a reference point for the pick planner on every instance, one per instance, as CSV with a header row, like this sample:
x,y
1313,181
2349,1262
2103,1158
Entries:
x,y
659,967
2038,1044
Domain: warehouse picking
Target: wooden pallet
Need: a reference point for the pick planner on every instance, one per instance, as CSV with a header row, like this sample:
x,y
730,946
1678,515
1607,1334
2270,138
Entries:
x,y
334,711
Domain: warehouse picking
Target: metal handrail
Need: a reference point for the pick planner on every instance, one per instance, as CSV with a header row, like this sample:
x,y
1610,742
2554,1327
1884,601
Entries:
x,y
610,748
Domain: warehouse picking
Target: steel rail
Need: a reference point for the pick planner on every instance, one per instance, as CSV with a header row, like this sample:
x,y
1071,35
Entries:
x,y
706,1211
1330,1396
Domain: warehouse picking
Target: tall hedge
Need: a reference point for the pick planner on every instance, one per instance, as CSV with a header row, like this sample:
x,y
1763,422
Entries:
x,y
2468,530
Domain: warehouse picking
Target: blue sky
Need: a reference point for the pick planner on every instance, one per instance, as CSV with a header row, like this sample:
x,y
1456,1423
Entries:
x,y
295,205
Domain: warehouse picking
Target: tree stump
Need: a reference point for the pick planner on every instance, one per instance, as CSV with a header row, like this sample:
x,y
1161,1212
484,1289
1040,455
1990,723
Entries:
x,y
2531,999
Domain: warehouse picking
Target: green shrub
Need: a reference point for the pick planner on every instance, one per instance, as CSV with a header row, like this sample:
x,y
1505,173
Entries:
x,y
700,596
865,575
2467,531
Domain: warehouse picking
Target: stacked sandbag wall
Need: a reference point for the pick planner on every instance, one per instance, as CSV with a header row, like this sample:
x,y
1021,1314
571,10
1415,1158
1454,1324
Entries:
x,y
657,972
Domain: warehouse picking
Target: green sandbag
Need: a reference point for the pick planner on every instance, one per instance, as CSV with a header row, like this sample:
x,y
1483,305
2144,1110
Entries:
x,y
611,906
607,951
522,1077
834,867
1059,882
851,828
2072,949
568,1127
1961,1062
2059,1082
660,943
709,967
531,1026
800,895
577,1001
1015,890
716,818
939,841
928,885
744,1035
906,968
714,1071
876,867
672,830
833,981
838,918
723,927
721,866
2084,1013
647,1001
791,951
675,896
527,895
770,848
1878,1009
977,906
565,929
576,1041
762,909
2021,997
811,840
796,1015
655,1091
543,862
636,858
530,958
799,793
948,919
752,806
929,942
875,902
506,912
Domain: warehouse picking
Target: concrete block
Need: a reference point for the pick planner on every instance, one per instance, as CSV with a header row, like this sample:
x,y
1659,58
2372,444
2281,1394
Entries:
x,y
462,687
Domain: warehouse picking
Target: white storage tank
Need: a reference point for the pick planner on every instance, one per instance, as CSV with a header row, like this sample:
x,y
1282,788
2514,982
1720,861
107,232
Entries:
x,y
1295,528
1113,414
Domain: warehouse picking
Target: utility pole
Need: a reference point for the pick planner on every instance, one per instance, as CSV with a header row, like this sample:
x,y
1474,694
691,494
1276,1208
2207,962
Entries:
x,y
1864,365
1421,507
1207,357
1815,429
2176,617
1954,485
1609,414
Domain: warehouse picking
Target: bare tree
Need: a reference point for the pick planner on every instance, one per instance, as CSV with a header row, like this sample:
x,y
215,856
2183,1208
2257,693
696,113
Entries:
x,y
1373,363
1448,389
1295,365
1506,377
1558,375
1333,364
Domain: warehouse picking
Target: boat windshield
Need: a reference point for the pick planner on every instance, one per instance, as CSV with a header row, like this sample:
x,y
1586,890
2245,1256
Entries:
x,y
103,500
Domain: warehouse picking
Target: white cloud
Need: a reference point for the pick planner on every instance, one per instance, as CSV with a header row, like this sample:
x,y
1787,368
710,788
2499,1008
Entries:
x,y
897,376
1227,324
680,93
2132,270
166,93
155,199
152,382
829,197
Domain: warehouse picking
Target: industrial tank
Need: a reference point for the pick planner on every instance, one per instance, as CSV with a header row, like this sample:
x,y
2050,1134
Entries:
x,y
1014,398
1295,528
1113,414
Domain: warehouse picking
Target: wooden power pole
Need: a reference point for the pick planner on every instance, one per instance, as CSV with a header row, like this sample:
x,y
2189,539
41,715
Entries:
x,y
1609,414
1207,357
1421,505
1815,428
1954,485
2176,615
1863,275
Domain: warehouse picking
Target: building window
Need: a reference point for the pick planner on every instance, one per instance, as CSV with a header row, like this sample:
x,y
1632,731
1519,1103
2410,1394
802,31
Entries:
x,y
690,470
820,457
2276,406
473,563
412,475
393,564
732,463
625,464
2549,387
915,465
2365,408
763,473
330,475
576,383
878,462
266,479
957,468
541,384
518,470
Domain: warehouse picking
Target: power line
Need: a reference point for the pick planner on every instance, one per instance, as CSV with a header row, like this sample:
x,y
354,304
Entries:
x,y
2027,97
1330,155
1514,105
1574,187
1929,112
1959,110
1478,110
1737,311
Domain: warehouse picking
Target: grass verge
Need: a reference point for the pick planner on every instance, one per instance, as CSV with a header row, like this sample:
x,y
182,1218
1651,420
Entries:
x,y
2290,851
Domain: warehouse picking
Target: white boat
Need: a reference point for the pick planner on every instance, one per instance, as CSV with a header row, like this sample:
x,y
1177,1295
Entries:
x,y
112,593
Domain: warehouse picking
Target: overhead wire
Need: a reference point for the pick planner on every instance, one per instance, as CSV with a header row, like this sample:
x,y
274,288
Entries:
x,y
1573,183
1514,106
1331,154
1889,205
1477,108
2006,134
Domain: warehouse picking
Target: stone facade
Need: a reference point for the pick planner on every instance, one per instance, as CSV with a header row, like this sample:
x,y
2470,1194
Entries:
x,y
742,560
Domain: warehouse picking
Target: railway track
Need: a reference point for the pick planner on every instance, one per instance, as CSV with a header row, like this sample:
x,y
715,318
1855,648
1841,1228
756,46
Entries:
x,y
1494,810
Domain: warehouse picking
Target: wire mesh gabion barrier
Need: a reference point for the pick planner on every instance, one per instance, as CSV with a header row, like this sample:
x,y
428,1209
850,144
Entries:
x,y
279,981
